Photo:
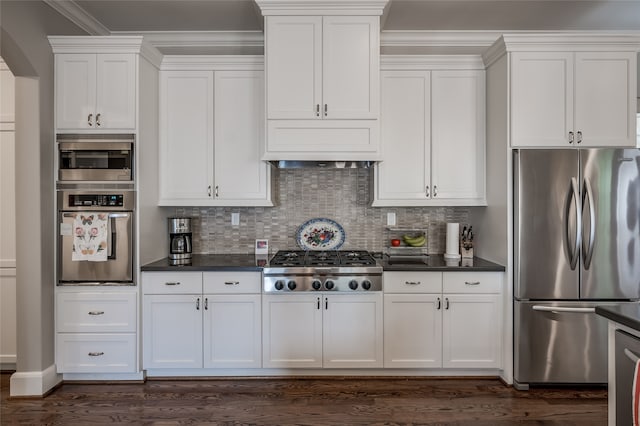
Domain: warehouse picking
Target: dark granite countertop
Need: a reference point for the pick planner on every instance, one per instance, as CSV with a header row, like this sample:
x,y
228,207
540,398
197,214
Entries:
x,y
211,262
439,263
627,314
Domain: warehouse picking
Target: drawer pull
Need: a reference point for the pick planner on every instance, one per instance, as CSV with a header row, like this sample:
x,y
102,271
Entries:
x,y
96,312
412,282
472,282
96,353
231,282
172,283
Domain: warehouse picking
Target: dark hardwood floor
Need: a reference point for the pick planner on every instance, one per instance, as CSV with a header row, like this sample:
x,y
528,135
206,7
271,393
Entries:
x,y
308,401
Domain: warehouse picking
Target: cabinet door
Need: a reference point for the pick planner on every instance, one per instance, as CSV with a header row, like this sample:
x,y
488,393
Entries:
x,y
352,331
115,91
293,55
232,331
458,135
350,67
186,136
412,331
541,99
75,76
240,173
605,110
292,331
471,331
172,331
403,176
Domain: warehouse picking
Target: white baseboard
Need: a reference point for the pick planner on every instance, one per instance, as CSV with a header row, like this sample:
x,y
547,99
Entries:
x,y
34,383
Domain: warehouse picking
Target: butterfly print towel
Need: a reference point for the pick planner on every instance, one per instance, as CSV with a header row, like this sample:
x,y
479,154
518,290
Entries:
x,y
90,232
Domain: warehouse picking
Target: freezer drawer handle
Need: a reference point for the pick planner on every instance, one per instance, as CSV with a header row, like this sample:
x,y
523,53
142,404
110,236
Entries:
x,y
633,357
558,309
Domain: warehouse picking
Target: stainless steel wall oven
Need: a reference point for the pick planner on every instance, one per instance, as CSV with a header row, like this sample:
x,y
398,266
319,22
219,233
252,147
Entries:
x,y
96,237
95,157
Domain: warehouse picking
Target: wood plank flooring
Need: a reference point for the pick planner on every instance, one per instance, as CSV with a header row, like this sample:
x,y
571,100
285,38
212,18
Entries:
x,y
306,401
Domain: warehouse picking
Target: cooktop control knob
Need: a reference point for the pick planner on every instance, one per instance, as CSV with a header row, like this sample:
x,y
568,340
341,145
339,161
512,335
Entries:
x,y
279,285
316,284
329,284
353,284
366,284
292,285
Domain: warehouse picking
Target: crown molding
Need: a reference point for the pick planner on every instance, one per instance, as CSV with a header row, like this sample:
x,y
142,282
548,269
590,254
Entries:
x,y
431,62
393,38
212,62
322,7
160,39
76,14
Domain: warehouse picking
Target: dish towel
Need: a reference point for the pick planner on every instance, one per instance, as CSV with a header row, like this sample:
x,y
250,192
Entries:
x,y
636,394
90,233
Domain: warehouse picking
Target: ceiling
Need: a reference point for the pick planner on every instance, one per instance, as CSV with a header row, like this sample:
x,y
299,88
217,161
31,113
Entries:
x,y
454,21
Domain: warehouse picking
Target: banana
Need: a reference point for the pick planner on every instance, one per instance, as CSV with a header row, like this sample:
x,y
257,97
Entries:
x,y
417,241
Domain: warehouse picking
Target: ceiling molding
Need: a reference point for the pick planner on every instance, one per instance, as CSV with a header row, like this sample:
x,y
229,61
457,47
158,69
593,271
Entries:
x,y
80,17
160,39
322,7
431,62
438,38
212,62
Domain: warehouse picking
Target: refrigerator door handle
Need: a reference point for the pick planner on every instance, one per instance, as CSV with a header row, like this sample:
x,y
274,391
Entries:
x,y
575,250
560,309
633,357
588,195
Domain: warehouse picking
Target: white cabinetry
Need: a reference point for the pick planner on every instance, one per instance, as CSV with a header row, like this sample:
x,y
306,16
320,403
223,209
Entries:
x,y
95,91
442,320
572,91
322,74
96,331
322,330
212,134
201,320
432,132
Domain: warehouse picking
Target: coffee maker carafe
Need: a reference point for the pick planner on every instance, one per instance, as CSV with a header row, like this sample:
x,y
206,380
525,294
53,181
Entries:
x,y
180,240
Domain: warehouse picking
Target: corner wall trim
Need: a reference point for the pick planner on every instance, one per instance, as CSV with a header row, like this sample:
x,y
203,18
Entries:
x,y
34,383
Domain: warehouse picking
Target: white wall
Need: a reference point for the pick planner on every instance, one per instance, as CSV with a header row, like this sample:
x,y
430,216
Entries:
x,y
8,345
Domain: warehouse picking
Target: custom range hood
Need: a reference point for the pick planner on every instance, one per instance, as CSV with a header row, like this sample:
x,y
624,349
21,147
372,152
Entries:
x,y
318,164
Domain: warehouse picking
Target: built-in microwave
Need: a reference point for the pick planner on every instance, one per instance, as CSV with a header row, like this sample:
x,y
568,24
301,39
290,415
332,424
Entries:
x,y
95,157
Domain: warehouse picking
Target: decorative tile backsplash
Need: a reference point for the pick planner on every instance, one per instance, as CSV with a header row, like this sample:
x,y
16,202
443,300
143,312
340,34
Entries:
x,y
301,194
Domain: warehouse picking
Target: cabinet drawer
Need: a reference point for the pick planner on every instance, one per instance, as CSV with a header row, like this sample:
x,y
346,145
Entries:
x,y
172,282
472,282
96,312
412,282
232,282
96,353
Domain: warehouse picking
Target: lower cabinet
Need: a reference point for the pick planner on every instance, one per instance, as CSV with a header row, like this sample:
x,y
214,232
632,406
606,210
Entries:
x,y
442,320
201,320
96,330
322,330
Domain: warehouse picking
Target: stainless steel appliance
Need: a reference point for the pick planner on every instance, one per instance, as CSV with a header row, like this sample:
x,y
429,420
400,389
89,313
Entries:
x,y
337,270
576,245
180,240
117,207
627,353
95,157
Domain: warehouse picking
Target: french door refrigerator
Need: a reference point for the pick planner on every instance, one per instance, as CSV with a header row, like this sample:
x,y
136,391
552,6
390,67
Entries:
x,y
576,246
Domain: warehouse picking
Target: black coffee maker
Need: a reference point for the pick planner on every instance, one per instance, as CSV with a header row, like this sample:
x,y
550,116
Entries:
x,y
180,247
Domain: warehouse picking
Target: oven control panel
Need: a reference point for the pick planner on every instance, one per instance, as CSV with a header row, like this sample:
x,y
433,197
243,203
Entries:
x,y
96,200
297,283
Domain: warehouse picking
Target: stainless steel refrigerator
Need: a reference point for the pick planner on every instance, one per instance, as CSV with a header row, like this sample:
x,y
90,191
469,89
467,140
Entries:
x,y
576,246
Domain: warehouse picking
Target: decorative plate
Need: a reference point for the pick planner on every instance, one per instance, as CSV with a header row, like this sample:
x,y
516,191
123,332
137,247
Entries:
x,y
320,234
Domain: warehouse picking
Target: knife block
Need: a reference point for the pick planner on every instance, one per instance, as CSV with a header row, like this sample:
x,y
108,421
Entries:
x,y
466,250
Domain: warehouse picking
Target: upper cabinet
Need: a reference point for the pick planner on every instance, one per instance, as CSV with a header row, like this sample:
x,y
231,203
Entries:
x,y
96,82
212,133
432,132
322,79
571,90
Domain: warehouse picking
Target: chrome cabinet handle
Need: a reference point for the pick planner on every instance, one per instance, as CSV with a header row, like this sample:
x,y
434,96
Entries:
x,y
217,193
427,191
231,282
317,110
570,137
209,190
318,303
435,190
446,301
96,312
579,136
172,283
412,282
326,109
206,303
633,357
98,120
439,304
96,353
89,118
472,282
198,304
